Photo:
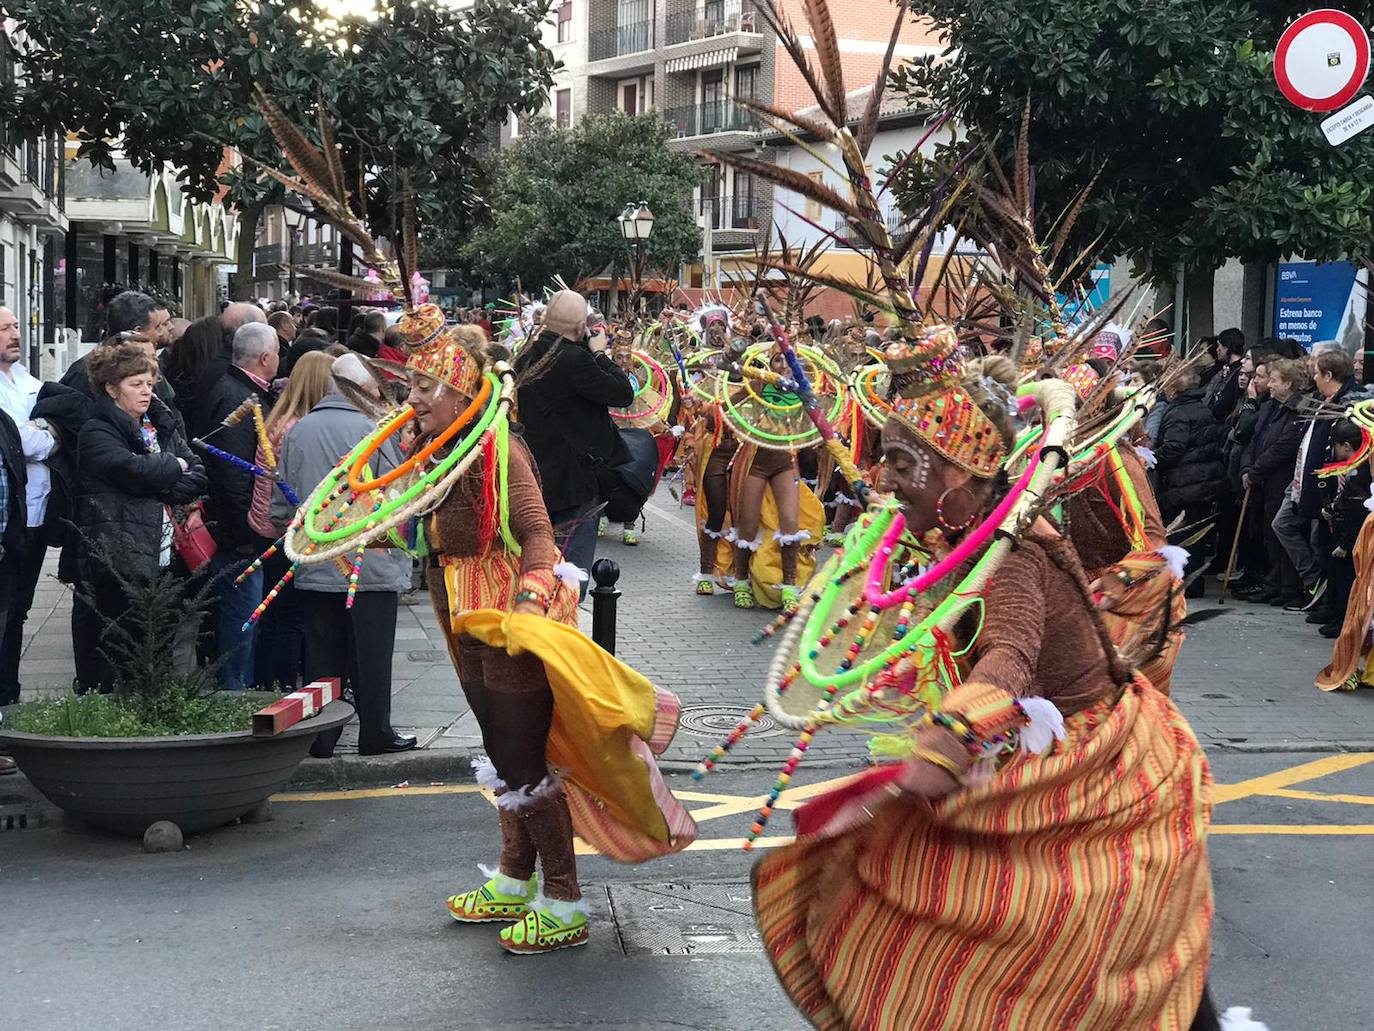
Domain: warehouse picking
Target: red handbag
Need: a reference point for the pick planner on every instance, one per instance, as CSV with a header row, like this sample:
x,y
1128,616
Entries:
x,y
191,537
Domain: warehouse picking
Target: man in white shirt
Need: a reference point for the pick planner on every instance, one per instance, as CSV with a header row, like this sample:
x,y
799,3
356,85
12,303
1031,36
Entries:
x,y
18,393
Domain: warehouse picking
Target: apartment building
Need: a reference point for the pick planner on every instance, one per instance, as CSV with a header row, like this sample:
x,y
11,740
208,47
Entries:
x,y
693,60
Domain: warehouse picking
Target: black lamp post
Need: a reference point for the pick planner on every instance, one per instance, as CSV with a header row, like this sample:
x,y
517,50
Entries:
x,y
295,218
636,226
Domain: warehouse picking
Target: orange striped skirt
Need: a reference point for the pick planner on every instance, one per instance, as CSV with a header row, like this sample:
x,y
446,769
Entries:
x,y
1070,891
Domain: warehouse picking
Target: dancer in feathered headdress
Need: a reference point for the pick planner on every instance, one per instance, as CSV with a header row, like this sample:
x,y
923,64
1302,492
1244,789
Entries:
x,y
1012,713
571,732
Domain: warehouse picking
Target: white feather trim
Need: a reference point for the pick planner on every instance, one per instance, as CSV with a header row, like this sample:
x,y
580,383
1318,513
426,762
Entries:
x,y
1147,456
1238,1018
810,483
573,576
486,774
712,534
730,535
507,885
1044,726
516,799
702,578
791,538
1369,501
678,431
1176,557
753,545
562,909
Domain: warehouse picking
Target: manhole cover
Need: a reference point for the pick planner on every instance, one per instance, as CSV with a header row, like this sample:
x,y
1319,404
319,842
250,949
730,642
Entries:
x,y
684,919
715,721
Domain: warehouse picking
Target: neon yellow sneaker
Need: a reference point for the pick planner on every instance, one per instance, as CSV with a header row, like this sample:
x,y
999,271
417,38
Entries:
x,y
744,595
629,538
501,900
791,598
549,925
601,527
705,587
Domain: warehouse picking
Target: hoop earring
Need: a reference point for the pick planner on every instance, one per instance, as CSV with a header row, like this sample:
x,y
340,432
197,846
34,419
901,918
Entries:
x,y
940,509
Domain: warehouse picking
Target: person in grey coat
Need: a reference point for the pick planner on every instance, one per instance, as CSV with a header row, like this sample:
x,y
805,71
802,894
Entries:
x,y
353,644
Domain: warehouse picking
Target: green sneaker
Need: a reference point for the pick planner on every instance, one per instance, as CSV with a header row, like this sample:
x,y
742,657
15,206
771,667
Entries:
x,y
549,925
601,527
833,539
501,900
629,538
744,596
791,599
705,588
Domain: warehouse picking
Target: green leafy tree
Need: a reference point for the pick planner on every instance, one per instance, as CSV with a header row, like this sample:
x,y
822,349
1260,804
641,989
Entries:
x,y
556,195
1172,106
414,87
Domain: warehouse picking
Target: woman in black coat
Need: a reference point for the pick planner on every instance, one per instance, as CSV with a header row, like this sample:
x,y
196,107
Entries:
x,y
1267,471
133,463
1189,466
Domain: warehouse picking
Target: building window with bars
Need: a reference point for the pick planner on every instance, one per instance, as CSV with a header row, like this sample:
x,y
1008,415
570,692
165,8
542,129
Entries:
x,y
563,108
747,81
565,12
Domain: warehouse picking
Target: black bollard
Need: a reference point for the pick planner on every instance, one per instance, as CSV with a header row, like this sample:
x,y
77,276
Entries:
x,y
604,596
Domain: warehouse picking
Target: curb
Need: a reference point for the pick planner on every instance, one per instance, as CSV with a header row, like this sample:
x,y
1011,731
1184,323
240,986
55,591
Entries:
x,y
384,771
1279,747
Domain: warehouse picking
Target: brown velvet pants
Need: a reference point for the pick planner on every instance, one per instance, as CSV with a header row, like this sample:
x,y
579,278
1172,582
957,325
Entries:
x,y
511,699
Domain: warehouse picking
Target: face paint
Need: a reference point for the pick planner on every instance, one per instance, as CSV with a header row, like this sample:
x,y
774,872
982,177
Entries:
x,y
919,474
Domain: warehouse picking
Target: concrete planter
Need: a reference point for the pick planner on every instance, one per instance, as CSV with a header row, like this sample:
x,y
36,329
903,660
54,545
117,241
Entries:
x,y
197,781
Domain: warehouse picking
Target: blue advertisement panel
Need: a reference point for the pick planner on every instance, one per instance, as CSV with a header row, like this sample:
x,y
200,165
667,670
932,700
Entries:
x,y
1316,302
1080,308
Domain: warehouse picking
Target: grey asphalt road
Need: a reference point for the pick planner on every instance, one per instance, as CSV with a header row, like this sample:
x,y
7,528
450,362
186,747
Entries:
x,y
331,917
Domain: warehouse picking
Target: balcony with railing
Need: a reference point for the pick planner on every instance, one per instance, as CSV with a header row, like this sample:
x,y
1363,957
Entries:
x,y
625,40
710,118
744,212
841,227
34,195
711,21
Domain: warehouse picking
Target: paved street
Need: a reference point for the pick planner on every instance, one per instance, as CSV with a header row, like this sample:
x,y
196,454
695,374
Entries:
x,y
331,915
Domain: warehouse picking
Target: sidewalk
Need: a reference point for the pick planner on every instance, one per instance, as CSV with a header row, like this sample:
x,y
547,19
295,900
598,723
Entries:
x,y
1244,679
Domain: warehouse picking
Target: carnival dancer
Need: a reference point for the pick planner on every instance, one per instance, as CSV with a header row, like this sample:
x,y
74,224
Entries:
x,y
1113,521
892,908
571,732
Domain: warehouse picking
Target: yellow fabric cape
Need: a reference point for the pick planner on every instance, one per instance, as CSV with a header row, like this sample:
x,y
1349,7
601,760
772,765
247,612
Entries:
x,y
600,705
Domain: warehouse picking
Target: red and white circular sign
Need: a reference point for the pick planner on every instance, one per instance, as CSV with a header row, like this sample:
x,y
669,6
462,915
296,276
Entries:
x,y
1322,60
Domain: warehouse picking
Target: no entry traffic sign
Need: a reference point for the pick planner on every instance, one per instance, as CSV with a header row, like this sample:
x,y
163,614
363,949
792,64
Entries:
x,y
1322,60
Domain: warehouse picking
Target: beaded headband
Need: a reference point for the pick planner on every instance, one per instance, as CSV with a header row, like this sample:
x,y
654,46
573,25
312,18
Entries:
x,y
927,397
1083,379
450,361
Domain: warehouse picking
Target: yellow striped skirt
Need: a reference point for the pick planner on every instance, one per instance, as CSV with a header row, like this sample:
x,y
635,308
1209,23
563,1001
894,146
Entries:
x,y
1071,891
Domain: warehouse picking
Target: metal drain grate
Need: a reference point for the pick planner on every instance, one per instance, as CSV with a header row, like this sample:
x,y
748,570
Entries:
x,y
684,919
715,721
18,818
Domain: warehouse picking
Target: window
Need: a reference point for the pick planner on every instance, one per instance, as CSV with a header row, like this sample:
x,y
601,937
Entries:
x,y
813,208
712,101
744,201
565,21
563,108
746,81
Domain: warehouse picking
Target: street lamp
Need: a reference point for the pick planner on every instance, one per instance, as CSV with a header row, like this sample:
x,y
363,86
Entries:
x,y
295,218
636,226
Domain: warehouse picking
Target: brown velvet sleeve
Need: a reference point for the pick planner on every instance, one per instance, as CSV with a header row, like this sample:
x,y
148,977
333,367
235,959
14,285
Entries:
x,y
1014,625
529,519
1154,522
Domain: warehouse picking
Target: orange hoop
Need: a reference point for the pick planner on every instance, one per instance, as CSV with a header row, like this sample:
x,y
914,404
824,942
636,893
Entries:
x,y
355,474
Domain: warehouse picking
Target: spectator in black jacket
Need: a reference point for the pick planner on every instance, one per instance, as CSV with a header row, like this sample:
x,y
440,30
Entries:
x,y
369,335
571,383
1267,471
1297,526
133,464
195,364
130,315
254,366
1189,464
1223,392
1345,515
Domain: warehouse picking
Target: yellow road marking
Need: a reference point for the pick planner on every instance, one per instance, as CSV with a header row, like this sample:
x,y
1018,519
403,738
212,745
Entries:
x,y
1293,775
1320,796
1279,784
1314,829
